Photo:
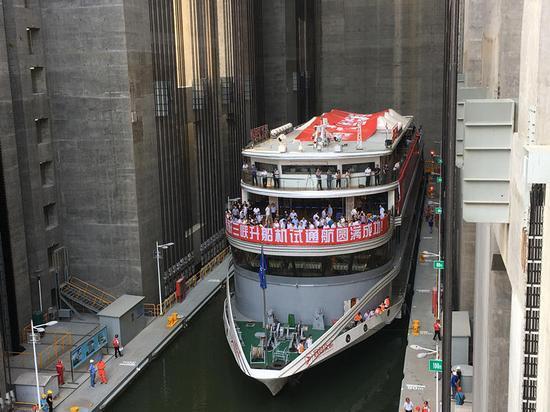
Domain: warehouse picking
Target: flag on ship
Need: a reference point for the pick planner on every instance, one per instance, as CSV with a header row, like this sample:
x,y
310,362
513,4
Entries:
x,y
263,270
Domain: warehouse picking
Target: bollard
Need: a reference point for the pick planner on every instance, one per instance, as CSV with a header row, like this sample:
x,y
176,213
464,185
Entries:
x,y
416,327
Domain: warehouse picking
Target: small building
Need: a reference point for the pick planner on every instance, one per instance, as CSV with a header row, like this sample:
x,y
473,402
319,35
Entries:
x,y
124,317
25,386
461,338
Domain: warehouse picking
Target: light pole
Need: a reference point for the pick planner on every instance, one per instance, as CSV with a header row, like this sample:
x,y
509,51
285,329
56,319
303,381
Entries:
x,y
422,355
157,256
38,328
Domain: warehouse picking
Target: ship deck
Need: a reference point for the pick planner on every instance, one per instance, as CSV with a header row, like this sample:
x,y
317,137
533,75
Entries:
x,y
251,335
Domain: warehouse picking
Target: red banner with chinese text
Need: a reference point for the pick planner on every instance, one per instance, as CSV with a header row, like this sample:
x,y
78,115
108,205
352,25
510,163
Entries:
x,y
308,237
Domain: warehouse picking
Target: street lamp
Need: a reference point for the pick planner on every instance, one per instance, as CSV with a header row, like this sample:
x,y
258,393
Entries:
x,y
157,256
422,355
39,329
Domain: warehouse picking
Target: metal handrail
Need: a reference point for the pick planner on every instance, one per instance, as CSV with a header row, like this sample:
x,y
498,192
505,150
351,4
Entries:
x,y
153,309
88,293
97,291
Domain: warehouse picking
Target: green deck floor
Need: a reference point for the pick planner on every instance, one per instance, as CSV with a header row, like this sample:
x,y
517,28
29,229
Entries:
x,y
248,332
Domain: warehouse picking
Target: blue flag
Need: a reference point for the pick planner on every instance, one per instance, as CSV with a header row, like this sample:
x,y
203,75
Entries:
x,y
263,270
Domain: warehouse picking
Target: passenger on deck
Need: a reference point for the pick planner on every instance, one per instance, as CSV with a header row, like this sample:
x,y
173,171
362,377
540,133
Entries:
x,y
309,341
357,318
377,311
387,302
301,347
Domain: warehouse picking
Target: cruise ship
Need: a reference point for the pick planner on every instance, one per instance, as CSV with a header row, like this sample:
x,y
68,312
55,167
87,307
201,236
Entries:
x,y
322,239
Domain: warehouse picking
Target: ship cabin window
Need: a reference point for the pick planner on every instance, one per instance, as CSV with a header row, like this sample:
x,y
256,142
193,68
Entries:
x,y
317,266
308,169
358,167
308,207
260,167
371,203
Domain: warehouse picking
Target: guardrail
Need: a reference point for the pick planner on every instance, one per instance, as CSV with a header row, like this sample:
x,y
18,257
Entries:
x,y
50,353
152,309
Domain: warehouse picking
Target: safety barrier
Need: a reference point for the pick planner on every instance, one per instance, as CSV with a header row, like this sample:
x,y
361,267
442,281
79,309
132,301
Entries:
x,y
50,353
152,309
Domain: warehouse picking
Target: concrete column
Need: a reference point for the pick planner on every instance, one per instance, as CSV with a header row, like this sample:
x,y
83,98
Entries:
x,y
391,200
481,316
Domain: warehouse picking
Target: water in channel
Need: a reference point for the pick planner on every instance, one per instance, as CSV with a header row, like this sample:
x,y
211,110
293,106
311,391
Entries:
x,y
197,372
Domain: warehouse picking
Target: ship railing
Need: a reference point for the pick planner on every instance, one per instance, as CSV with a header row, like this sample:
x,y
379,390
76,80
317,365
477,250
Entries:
x,y
310,181
329,336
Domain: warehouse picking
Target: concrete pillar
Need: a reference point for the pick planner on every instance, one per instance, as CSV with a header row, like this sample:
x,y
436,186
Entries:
x,y
481,318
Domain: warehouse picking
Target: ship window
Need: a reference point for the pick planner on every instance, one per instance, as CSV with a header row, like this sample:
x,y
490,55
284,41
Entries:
x,y
265,166
317,266
302,170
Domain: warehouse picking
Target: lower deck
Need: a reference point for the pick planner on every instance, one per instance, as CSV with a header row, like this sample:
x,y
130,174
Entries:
x,y
275,347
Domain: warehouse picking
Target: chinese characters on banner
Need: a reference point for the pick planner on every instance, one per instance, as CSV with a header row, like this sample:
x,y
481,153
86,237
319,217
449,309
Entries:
x,y
308,237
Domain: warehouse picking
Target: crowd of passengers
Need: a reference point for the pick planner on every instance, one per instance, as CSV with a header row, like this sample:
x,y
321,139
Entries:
x,y
272,217
385,305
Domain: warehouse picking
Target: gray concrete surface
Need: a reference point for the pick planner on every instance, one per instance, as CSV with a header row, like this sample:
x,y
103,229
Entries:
x,y
418,383
140,351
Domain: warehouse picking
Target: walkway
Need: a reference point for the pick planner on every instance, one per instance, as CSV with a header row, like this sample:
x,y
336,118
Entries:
x,y
141,350
418,383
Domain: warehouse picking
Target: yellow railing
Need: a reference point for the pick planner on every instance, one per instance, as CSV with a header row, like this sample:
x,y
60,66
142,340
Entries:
x,y
152,309
50,353
92,291
27,328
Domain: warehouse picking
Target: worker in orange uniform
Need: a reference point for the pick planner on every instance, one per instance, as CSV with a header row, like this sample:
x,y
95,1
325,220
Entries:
x,y
101,371
60,368
357,318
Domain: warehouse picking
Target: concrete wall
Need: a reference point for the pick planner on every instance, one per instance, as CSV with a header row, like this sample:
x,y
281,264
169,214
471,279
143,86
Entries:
x,y
506,48
379,54
101,103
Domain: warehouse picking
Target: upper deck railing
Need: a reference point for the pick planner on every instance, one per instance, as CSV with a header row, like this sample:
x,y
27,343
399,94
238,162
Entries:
x,y
311,181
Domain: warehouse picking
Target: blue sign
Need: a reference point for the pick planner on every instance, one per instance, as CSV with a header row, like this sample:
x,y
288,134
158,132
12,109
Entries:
x,y
85,350
263,270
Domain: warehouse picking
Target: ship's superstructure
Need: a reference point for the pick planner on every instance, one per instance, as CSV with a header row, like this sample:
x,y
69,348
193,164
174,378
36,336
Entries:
x,y
328,217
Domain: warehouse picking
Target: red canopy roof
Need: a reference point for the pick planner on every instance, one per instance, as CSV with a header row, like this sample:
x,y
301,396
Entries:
x,y
343,124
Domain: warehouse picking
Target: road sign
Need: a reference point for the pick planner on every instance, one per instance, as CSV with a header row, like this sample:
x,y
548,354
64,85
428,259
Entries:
x,y
439,179
438,210
439,264
435,365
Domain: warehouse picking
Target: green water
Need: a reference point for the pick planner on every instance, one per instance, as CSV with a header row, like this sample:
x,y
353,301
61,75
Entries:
x,y
197,372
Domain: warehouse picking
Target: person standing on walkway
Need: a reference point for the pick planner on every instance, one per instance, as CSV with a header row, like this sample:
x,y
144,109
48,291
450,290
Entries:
x,y
60,368
92,373
408,405
459,397
426,407
368,173
276,181
101,371
254,172
431,222
377,175
454,383
338,179
319,181
116,346
43,403
437,329
49,400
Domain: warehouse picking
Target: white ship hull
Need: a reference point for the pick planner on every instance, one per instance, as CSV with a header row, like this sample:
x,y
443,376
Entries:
x,y
331,343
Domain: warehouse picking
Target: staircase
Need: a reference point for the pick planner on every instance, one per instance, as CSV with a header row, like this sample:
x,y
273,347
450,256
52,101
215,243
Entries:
x,y
84,294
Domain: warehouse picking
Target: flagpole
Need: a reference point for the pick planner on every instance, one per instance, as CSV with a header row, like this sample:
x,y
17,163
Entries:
x,y
265,311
